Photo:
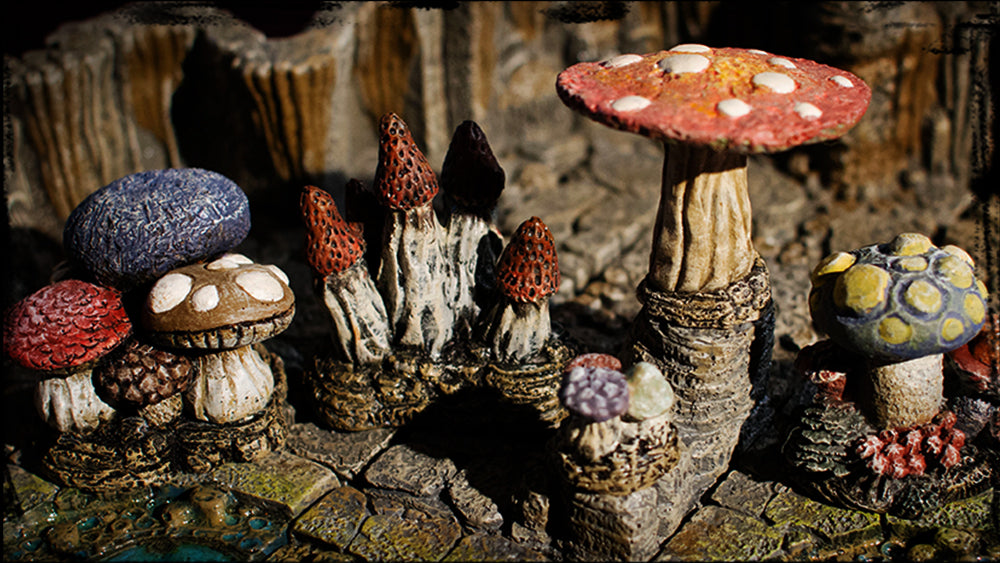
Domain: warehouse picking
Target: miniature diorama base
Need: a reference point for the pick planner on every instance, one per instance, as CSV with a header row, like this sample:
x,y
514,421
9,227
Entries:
x,y
350,397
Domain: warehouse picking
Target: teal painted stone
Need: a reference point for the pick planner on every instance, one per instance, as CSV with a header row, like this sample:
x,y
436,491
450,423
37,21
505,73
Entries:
x,y
141,226
898,301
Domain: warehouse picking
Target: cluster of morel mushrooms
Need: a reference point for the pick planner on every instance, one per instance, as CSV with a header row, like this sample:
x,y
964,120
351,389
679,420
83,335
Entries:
x,y
148,343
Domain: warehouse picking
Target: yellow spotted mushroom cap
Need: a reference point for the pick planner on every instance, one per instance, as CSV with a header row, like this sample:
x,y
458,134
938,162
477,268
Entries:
x,y
900,300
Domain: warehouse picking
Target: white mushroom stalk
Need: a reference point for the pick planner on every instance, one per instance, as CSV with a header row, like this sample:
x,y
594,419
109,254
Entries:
x,y
71,404
335,251
413,273
471,180
527,274
221,309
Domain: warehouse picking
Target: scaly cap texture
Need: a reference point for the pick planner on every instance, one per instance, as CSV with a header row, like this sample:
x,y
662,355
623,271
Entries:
x,y
332,244
528,269
404,179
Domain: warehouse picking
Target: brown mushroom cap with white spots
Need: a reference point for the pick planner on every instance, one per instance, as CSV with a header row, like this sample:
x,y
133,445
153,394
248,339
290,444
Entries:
x,y
227,303
740,100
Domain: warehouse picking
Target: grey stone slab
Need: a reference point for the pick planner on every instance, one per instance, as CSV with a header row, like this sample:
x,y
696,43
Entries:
x,y
344,452
484,547
475,508
741,492
388,537
405,469
716,533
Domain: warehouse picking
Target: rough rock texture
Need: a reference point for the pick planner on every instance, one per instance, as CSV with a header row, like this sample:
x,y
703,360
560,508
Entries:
x,y
619,527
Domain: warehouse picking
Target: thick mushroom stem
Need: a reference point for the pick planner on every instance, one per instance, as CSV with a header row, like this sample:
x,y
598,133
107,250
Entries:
x,y
359,317
702,239
905,394
410,279
470,244
517,331
594,440
230,385
71,404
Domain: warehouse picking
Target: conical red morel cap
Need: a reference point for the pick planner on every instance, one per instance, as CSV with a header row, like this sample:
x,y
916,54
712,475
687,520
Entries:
x,y
471,174
528,269
65,326
404,179
332,244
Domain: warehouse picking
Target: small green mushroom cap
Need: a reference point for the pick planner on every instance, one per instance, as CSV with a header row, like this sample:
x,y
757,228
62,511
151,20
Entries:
x,y
649,391
900,300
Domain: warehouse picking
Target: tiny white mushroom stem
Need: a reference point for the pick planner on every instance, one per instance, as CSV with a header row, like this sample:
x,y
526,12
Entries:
x,y
702,238
469,235
230,385
359,317
517,331
594,440
907,393
411,279
71,404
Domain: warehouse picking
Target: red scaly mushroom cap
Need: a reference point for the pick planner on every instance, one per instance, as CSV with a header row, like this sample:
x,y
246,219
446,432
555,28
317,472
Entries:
x,y
471,174
65,326
528,269
404,179
332,244
740,100
596,360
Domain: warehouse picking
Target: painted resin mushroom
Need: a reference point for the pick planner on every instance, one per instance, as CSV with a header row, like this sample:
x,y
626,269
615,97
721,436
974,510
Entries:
x,y
899,307
413,273
145,380
335,252
712,107
215,312
527,274
62,331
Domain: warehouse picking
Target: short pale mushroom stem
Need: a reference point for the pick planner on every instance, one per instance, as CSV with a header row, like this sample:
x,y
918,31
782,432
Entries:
x,y
71,404
411,279
518,331
230,385
702,239
358,313
464,243
907,393
595,440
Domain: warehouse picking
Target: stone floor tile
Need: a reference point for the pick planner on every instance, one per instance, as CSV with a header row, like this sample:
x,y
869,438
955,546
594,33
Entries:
x,y
280,477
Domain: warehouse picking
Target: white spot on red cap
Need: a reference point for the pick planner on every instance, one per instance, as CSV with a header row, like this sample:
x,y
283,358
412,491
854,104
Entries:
x,y
807,110
733,107
679,64
757,52
205,298
842,81
776,81
690,48
621,60
781,62
261,285
169,292
630,103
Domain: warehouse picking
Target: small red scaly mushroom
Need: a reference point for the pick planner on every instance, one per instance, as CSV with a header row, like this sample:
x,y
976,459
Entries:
x,y
63,330
335,252
527,274
978,361
471,180
413,273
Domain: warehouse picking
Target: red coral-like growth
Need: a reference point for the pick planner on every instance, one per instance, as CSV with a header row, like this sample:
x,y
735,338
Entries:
x,y
897,453
403,179
332,244
528,269
66,325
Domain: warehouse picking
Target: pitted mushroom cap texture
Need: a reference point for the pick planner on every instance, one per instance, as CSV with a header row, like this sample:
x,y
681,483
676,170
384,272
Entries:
x,y
139,227
595,359
191,306
142,375
470,173
403,179
65,326
898,301
332,244
740,100
528,269
594,393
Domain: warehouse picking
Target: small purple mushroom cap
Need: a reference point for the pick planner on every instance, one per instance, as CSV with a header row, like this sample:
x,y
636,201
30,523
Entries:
x,y
594,393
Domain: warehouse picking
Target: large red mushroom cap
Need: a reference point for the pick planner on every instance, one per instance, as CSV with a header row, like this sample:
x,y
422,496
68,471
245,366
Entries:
x,y
740,100
403,179
65,326
332,244
528,269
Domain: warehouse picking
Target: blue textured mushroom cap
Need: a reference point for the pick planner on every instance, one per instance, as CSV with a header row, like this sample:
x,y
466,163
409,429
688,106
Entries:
x,y
900,300
140,227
